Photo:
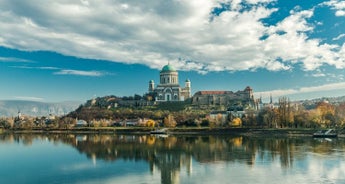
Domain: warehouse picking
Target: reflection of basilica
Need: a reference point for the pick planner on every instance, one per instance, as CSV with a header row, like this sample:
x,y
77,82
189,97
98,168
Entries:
x,y
170,164
169,88
172,155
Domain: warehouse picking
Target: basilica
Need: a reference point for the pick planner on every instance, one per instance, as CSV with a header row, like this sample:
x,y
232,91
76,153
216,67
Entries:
x,y
169,88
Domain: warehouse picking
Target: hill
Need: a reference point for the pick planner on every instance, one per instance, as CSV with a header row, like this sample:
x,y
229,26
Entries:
x,y
311,104
32,108
137,106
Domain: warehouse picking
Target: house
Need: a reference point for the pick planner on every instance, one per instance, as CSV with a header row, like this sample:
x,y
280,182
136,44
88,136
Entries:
x,y
81,123
130,122
219,116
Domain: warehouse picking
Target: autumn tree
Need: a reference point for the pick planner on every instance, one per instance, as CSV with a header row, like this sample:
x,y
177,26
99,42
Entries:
x,y
327,114
285,112
150,123
67,122
236,122
219,119
6,122
301,119
250,119
340,114
268,117
169,121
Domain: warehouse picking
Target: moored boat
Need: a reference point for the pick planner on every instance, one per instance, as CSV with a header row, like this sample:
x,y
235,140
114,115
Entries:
x,y
330,133
159,131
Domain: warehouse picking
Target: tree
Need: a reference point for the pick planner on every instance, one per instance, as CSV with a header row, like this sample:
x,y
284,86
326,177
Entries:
x,y
6,122
268,117
205,122
236,122
219,119
314,118
137,97
150,123
285,112
340,114
301,119
67,122
250,119
169,121
327,114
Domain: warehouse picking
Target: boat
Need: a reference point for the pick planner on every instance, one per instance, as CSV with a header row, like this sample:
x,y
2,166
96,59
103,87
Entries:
x,y
330,133
159,131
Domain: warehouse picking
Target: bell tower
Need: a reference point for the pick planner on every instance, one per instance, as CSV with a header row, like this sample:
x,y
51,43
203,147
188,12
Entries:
x,y
188,88
151,86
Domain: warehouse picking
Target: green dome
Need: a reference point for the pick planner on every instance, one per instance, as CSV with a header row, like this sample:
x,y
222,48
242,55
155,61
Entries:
x,y
168,68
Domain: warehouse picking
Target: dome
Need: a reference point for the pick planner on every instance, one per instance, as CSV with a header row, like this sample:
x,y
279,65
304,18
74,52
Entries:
x,y
151,81
187,80
168,68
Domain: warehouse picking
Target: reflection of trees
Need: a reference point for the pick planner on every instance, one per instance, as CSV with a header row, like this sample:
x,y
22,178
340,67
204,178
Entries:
x,y
170,154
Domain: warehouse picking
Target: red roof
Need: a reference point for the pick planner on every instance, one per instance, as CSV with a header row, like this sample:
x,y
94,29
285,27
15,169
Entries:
x,y
212,92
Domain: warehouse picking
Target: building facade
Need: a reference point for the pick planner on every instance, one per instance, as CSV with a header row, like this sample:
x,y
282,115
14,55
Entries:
x,y
169,88
239,99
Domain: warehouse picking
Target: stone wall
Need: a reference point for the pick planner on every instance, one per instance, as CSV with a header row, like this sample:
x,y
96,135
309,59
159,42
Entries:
x,y
224,98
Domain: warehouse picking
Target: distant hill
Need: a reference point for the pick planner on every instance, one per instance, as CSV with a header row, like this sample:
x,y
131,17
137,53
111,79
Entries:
x,y
11,107
311,104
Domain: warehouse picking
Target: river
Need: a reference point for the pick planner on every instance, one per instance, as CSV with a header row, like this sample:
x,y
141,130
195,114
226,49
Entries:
x,y
95,158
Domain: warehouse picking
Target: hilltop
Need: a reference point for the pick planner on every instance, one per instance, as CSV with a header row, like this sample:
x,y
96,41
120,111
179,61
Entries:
x,y
120,108
10,108
311,104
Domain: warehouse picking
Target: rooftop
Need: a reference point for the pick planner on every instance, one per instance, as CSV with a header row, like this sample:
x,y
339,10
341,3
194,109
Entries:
x,y
168,68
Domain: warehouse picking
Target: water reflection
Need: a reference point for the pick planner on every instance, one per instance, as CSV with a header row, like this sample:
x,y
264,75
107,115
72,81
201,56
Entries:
x,y
169,155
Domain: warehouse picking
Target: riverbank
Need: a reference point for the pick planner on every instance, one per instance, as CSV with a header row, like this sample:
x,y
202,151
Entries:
x,y
178,131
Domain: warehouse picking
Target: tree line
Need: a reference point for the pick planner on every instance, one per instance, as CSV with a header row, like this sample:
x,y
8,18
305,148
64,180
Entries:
x,y
283,114
293,115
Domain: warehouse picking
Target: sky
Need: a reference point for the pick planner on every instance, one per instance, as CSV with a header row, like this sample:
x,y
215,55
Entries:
x,y
62,50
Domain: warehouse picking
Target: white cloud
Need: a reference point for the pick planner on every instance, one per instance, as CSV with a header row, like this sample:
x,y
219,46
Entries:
x,y
39,68
14,60
48,68
340,13
92,73
80,73
337,5
29,98
156,32
66,71
339,37
319,74
310,89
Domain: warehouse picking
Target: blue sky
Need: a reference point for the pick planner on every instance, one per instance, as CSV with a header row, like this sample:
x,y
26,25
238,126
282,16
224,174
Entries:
x,y
76,50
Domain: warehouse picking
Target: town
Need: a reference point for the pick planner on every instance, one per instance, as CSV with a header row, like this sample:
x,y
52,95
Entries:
x,y
170,105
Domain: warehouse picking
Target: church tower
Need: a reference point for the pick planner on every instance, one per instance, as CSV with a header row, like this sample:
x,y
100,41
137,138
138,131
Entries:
x,y
249,92
188,88
151,86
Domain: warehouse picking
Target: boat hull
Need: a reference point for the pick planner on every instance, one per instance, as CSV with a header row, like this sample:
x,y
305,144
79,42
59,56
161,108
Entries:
x,y
330,133
153,132
325,136
159,131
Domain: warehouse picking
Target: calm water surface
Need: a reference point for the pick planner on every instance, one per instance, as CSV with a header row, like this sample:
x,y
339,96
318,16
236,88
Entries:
x,y
72,158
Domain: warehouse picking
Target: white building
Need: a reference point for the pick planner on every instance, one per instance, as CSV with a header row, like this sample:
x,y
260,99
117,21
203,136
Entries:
x,y
169,88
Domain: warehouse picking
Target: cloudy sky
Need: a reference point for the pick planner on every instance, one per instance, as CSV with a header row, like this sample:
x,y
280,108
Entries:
x,y
75,50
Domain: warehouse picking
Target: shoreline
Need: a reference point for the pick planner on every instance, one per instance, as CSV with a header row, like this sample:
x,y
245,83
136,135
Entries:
x,y
175,131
